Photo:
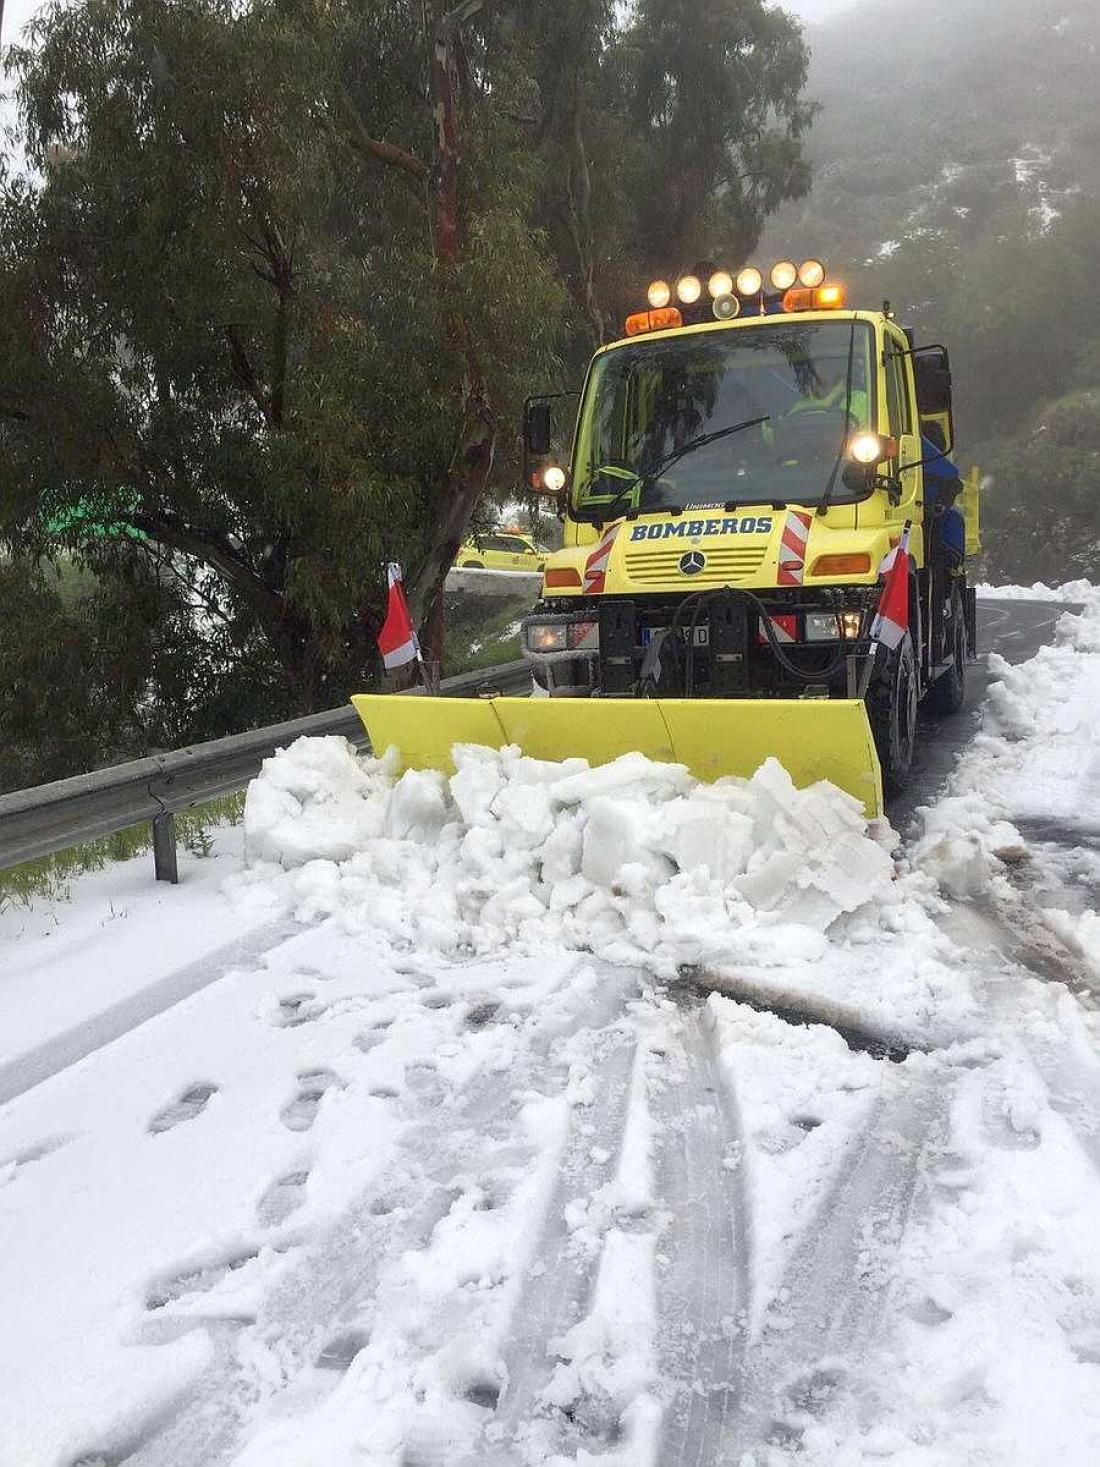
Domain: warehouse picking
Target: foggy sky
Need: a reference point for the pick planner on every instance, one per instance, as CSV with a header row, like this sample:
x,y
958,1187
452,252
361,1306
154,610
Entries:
x,y
16,15
18,12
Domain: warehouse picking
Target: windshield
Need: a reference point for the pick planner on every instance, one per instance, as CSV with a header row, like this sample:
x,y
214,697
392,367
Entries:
x,y
649,402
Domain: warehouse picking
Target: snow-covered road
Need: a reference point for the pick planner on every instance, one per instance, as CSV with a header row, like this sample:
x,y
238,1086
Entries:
x,y
479,1148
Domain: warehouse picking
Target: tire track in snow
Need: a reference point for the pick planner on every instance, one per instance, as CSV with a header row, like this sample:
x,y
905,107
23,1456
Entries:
x,y
704,1255
327,1298
49,1058
835,1286
1032,951
557,1292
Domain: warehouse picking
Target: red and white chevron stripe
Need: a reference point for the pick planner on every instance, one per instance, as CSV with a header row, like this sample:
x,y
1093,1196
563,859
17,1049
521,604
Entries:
x,y
595,567
785,628
792,547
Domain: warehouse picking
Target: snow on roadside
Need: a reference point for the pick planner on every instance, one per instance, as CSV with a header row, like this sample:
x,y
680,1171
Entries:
x,y
65,961
329,1184
1033,768
1039,591
637,861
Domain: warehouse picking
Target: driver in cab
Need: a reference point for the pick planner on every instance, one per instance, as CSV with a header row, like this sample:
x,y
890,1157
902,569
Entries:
x,y
819,403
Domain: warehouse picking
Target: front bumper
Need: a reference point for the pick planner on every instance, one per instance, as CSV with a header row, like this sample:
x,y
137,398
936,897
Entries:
x,y
712,644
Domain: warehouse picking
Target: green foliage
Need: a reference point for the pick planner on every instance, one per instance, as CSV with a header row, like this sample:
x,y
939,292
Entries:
x,y
483,631
222,322
717,105
1041,521
228,321
103,664
668,131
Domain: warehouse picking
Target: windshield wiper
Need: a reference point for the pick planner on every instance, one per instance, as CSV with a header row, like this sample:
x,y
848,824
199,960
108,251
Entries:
x,y
606,515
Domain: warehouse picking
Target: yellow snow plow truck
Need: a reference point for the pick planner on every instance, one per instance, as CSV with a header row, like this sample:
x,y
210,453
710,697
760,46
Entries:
x,y
744,462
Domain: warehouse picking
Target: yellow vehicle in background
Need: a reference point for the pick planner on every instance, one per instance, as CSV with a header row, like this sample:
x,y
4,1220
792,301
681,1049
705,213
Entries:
x,y
501,550
745,461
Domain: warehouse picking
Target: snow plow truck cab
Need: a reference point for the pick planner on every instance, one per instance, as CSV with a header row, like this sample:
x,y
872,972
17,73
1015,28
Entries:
x,y
744,462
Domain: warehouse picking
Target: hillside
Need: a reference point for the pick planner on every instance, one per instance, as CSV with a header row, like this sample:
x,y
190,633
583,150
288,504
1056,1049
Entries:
x,y
997,104
964,187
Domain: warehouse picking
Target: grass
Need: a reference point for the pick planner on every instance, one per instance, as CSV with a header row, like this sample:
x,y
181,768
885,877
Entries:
x,y
482,631
50,876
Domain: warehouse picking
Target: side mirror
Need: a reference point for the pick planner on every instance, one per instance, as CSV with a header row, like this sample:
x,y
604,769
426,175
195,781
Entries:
x,y
537,428
932,374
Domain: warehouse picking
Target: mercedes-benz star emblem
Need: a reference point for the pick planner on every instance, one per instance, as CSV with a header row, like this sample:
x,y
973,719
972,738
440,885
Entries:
x,y
692,562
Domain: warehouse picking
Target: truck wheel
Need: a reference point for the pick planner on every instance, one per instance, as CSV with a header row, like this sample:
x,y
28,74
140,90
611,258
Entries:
x,y
892,710
471,565
948,693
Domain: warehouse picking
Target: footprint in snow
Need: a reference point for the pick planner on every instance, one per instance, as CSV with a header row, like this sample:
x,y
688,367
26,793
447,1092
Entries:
x,y
300,1113
11,1165
190,1104
1084,1341
293,1009
484,1393
374,1036
481,1014
200,1280
927,1312
282,1198
338,1352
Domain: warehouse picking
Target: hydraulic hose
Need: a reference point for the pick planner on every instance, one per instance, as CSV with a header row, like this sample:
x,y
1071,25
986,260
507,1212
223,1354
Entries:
x,y
697,601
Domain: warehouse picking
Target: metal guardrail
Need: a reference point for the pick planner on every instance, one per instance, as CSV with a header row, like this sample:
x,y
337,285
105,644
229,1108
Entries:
x,y
51,817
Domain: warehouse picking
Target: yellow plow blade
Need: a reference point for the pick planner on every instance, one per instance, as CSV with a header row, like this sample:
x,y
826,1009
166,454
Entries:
x,y
812,738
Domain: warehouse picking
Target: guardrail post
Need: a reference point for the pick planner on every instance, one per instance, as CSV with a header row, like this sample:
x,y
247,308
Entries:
x,y
164,848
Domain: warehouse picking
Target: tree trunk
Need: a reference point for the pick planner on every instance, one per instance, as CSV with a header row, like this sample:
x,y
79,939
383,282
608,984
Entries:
x,y
580,214
472,461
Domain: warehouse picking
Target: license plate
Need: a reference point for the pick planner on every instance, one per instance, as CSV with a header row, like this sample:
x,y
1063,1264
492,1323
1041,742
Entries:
x,y
702,635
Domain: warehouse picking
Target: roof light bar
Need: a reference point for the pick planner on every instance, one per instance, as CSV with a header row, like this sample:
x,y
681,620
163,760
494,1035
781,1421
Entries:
x,y
790,288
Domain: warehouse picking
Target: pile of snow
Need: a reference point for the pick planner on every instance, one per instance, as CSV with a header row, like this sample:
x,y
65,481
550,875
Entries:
x,y
635,854
1039,591
635,861
1035,763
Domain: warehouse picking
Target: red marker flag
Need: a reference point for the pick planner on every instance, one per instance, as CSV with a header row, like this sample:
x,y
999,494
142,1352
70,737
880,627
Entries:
x,y
397,641
892,617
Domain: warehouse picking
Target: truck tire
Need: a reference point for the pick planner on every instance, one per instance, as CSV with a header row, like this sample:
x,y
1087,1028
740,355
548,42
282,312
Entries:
x,y
948,693
471,565
892,711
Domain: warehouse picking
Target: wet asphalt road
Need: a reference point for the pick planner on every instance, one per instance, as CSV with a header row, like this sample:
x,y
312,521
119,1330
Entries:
x,y
1016,630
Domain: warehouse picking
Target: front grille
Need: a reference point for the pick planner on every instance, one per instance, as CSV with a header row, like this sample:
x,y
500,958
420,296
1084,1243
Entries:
x,y
723,564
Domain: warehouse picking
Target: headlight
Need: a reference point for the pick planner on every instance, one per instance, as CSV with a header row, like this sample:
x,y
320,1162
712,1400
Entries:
x,y
659,294
828,626
868,448
546,636
689,288
720,283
